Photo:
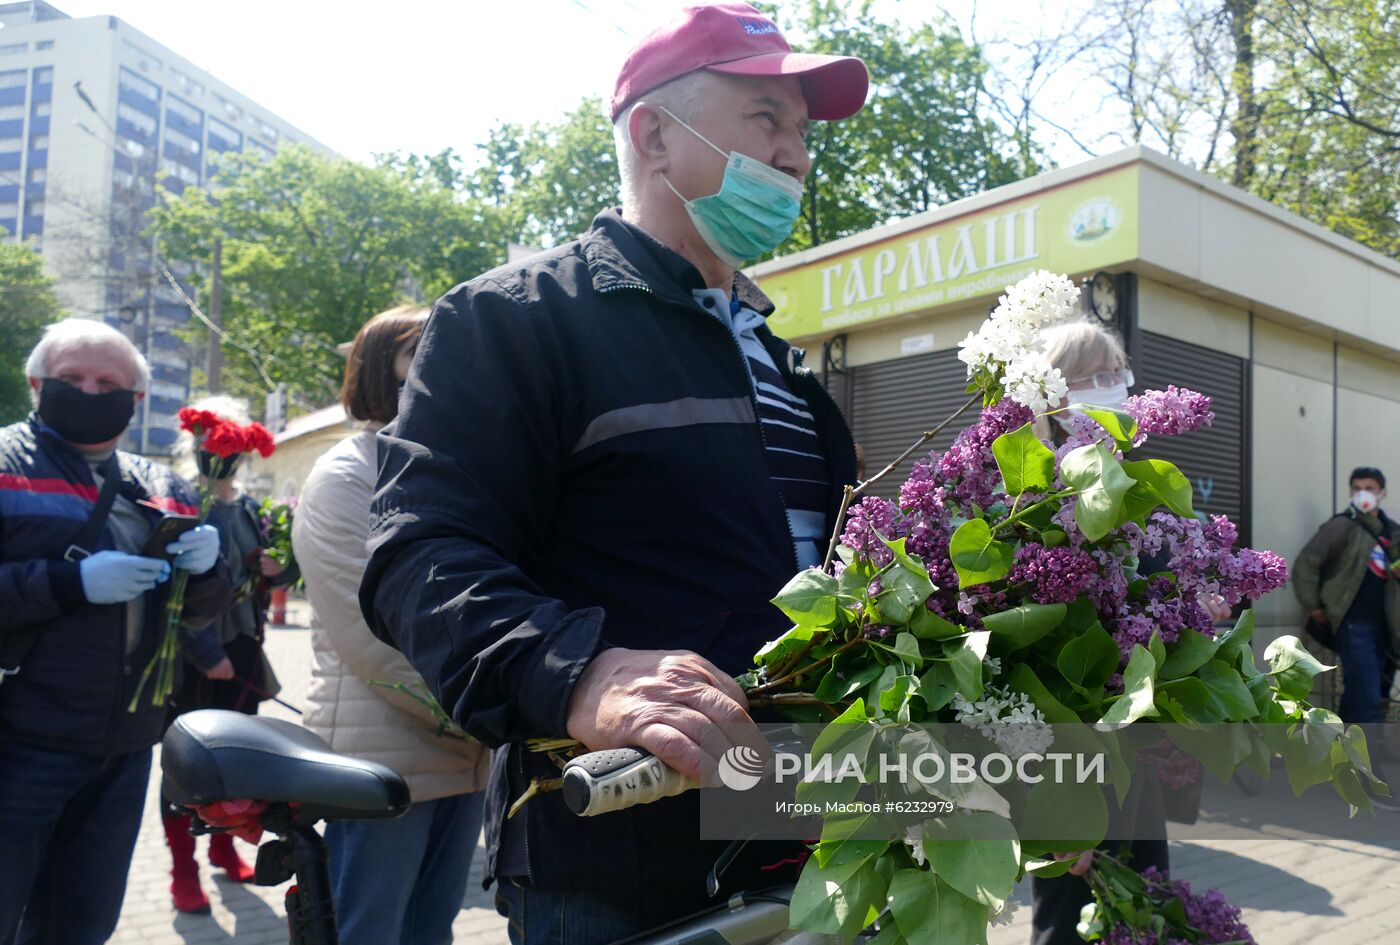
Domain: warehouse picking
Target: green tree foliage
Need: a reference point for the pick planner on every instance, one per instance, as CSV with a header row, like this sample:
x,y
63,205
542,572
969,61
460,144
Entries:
x,y
924,137
27,304
313,246
1297,101
550,180
1328,125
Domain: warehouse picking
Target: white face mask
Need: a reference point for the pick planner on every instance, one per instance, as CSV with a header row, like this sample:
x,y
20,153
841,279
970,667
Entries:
x,y
1365,500
1099,396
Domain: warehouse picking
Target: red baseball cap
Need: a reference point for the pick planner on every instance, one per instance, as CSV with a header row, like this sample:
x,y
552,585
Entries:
x,y
736,39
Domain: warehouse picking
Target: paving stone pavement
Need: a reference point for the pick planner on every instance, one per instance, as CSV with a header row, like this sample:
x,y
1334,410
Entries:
x,y
1296,882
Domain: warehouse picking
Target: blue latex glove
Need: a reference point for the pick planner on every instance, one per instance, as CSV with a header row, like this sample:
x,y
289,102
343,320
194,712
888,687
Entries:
x,y
115,577
196,550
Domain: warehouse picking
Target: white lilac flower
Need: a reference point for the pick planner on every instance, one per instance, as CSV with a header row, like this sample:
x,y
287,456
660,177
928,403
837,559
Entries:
x,y
1031,380
1005,345
993,664
914,836
1039,300
1008,718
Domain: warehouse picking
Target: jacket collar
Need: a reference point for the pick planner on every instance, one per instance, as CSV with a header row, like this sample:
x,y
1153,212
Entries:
x,y
621,255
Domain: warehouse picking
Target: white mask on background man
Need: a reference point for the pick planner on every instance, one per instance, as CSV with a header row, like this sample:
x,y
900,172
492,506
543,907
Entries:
x,y
1100,396
1365,500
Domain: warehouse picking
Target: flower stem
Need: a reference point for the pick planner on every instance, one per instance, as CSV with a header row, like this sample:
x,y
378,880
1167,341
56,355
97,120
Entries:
x,y
974,399
815,664
853,491
1018,516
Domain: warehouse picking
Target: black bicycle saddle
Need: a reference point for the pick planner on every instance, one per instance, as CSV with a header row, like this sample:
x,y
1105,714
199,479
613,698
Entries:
x,y
216,755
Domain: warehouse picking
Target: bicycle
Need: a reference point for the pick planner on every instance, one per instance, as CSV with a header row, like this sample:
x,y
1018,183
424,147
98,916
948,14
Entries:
x,y
212,755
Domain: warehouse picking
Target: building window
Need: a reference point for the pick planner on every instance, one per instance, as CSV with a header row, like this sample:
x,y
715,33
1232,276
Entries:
x,y
11,144
145,60
168,390
134,148
11,111
13,49
9,209
139,120
266,130
43,75
177,170
39,143
181,140
131,82
222,137
16,79
43,44
42,109
37,175
232,110
167,357
34,207
185,110
186,83
265,150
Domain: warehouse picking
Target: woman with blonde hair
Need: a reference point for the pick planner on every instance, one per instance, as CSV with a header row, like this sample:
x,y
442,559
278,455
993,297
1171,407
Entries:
x,y
230,669
400,880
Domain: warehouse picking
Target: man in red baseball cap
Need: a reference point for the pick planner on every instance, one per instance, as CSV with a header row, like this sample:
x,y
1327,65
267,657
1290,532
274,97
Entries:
x,y
604,468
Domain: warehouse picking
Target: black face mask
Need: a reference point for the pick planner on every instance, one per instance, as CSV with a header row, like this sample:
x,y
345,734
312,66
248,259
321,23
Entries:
x,y
227,467
84,418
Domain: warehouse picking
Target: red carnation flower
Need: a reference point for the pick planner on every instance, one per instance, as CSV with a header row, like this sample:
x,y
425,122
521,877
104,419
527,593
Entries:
x,y
199,421
226,439
260,439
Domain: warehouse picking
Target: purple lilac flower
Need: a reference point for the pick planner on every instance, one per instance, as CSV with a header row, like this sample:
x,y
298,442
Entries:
x,y
1058,575
1208,912
1169,412
872,514
969,469
1130,629
1251,574
1173,767
921,494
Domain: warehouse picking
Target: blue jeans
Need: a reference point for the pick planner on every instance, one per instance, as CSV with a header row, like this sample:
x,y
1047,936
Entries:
x,y
404,880
537,917
68,826
1362,646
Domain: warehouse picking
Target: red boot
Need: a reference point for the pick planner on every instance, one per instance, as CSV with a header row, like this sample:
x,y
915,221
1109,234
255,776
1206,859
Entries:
x,y
222,854
184,871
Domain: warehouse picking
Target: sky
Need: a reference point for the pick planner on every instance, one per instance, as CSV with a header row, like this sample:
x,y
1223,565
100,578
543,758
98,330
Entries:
x,y
424,75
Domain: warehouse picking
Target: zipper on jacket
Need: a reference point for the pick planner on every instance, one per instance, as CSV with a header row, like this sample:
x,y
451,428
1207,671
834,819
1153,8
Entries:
x,y
753,395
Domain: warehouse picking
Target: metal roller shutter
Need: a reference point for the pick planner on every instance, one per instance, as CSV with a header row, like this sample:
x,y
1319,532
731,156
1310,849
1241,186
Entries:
x,y
1215,459
894,402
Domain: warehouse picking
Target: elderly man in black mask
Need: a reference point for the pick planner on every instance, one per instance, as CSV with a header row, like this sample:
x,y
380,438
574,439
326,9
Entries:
x,y
82,611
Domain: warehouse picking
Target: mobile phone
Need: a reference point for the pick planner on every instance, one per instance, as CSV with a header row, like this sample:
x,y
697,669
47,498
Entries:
x,y
170,527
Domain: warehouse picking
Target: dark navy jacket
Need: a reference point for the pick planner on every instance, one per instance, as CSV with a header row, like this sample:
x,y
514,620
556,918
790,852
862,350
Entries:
x,y
577,463
72,691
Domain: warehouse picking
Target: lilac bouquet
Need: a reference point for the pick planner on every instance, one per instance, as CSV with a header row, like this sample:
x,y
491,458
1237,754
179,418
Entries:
x,y
1150,909
1014,584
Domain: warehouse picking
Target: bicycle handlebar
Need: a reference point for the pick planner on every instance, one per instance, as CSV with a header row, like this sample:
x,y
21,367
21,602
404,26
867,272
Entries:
x,y
617,778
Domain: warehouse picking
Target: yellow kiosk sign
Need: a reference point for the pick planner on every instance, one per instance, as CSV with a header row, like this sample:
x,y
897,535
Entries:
x,y
1082,226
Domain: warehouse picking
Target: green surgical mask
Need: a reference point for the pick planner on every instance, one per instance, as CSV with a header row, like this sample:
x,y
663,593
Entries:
x,y
753,212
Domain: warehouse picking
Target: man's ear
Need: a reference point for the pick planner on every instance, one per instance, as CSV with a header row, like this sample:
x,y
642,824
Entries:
x,y
644,128
35,384
138,396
